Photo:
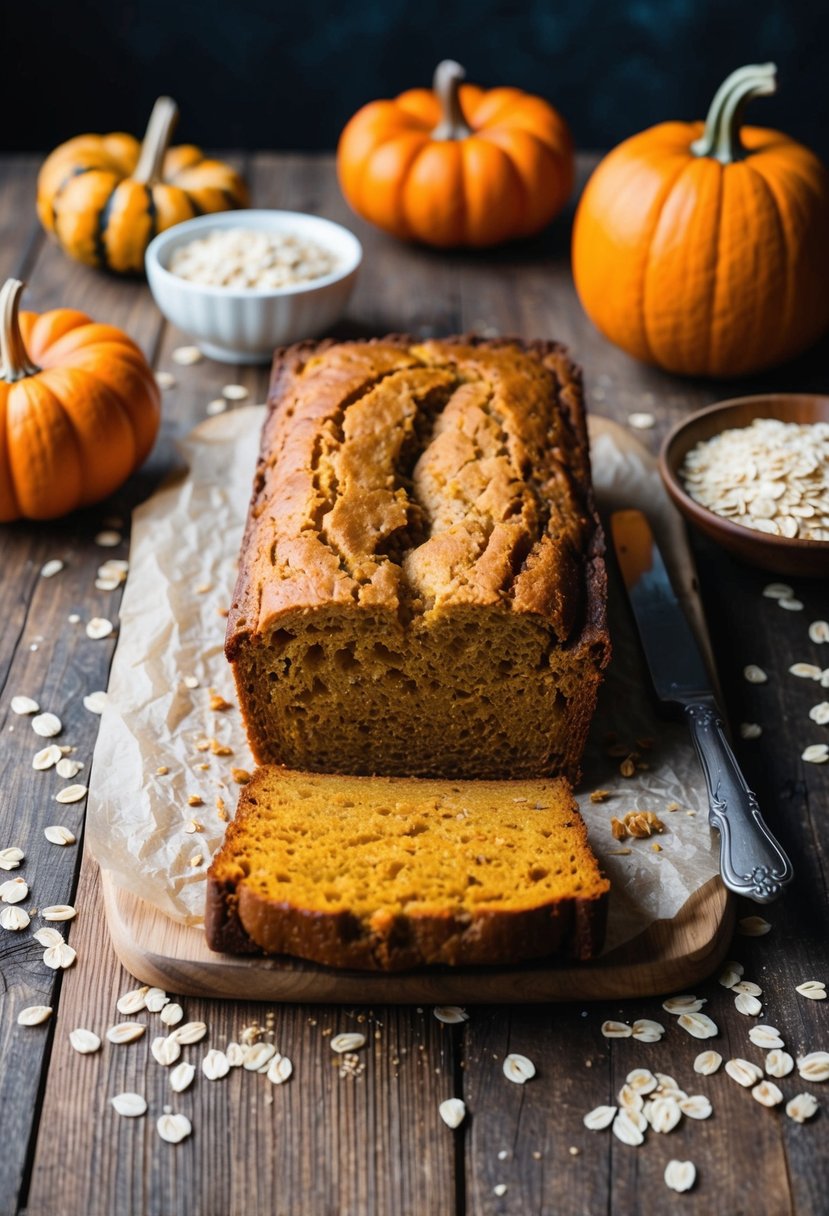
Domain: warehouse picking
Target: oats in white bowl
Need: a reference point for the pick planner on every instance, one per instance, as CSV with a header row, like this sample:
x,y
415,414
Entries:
x,y
250,258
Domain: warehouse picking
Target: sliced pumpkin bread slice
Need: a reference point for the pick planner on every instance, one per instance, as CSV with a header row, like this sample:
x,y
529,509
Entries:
x,y
388,873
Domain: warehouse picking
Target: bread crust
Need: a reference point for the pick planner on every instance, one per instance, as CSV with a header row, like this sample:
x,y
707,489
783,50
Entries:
x,y
552,571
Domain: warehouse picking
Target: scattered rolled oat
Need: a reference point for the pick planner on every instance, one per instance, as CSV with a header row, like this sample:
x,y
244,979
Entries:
x,y
67,768
108,539
646,1031
641,422
747,1004
518,1068
748,987
779,1063
185,356
47,757
58,912
197,860
686,1003
699,1025
802,1107
814,1066
24,705
767,1037
48,937
217,406
59,957
753,926
99,627
131,1106
279,1069
172,1014
258,1056
174,1128
47,725
51,568
165,380
165,1050
95,702
616,1030
598,1119
743,1072
452,1112
14,919
820,713
156,999
791,605
181,1076
451,1014
500,1189
57,834
778,591
215,1065
125,1032
34,1015
816,753
707,1062
14,891
755,674
819,632
767,1094
234,392
813,990
750,730
664,1114
84,1041
11,857
235,1054
71,793
132,1002
641,1081
680,1175
190,682
190,1032
805,671
626,1129
347,1042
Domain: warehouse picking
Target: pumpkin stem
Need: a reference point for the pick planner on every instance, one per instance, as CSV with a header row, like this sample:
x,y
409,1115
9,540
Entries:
x,y
156,141
446,84
721,137
15,363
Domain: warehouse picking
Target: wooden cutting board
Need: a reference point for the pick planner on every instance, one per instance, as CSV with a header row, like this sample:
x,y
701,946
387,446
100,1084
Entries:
x,y
670,955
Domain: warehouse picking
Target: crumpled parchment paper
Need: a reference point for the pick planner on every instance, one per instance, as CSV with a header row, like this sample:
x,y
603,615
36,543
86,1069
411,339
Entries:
x,y
154,756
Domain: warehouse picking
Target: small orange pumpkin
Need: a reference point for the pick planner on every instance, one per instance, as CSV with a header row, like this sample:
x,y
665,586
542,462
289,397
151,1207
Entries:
x,y
79,409
104,197
705,248
455,165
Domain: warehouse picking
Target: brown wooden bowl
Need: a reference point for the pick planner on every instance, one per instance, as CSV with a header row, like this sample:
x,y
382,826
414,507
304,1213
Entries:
x,y
776,553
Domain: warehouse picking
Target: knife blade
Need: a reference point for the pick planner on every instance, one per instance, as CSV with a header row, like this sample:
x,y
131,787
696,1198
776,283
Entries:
x,y
752,862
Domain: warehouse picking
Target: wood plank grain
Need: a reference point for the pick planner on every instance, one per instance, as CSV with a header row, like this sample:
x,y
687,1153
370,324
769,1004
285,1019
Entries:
x,y
326,1143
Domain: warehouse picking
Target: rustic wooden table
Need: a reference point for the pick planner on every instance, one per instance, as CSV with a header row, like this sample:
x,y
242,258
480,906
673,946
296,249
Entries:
x,y
374,1145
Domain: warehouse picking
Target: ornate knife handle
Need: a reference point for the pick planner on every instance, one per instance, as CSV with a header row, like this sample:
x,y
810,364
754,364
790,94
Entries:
x,y
752,863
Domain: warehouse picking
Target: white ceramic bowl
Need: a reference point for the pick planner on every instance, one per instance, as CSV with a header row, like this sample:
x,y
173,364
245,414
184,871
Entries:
x,y
236,325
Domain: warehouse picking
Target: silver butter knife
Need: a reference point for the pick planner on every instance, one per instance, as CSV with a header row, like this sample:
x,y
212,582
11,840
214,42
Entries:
x,y
752,863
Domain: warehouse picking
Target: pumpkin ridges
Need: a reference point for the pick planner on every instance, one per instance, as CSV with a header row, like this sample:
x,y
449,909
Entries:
x,y
676,315
172,206
616,299
44,457
546,175
40,331
9,506
97,416
92,333
433,195
382,182
421,105
126,373
77,210
485,192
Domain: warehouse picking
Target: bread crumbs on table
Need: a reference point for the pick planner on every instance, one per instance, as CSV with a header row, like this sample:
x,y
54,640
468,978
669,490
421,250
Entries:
x,y
218,702
240,775
195,800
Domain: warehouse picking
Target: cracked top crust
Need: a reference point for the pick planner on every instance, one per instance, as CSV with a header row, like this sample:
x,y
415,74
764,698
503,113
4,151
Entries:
x,y
415,476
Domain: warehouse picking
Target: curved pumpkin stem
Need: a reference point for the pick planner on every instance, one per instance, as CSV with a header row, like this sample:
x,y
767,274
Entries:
x,y
446,84
156,141
15,363
721,137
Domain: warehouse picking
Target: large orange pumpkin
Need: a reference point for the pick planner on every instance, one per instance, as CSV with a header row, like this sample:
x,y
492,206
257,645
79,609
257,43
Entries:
x,y
705,248
455,165
79,409
104,197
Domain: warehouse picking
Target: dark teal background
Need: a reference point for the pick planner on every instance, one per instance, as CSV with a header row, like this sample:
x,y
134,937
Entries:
x,y
288,75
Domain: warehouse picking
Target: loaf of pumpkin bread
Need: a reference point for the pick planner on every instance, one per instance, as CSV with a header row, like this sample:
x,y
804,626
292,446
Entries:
x,y
389,873
421,589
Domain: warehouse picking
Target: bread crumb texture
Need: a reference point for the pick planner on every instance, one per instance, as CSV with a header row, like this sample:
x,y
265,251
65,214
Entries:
x,y
386,873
